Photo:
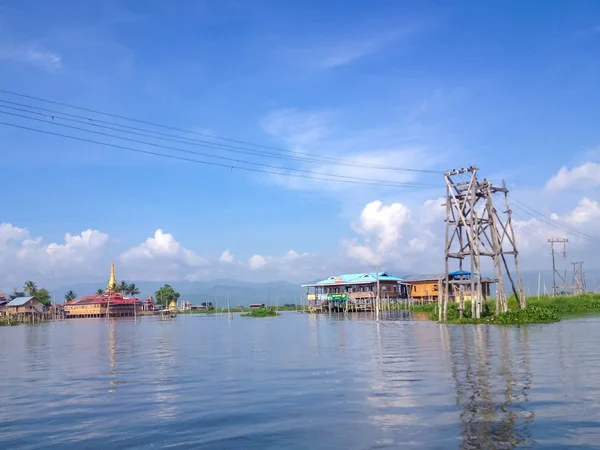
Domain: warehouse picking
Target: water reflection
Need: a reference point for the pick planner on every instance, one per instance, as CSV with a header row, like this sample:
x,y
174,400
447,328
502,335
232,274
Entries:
x,y
299,381
491,392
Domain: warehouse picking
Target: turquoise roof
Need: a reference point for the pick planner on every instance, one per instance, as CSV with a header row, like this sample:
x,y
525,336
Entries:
x,y
350,278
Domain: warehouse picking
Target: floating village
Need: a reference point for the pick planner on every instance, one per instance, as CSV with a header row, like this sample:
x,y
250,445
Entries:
x,y
359,292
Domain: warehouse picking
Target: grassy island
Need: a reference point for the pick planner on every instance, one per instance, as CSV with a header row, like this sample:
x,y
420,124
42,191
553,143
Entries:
x,y
546,309
261,312
220,310
7,323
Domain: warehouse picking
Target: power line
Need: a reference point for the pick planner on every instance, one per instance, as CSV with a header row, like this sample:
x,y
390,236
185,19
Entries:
x,y
55,114
154,124
240,161
554,223
181,158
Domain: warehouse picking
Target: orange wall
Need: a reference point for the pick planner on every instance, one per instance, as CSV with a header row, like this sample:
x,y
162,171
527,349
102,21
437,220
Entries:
x,y
419,289
81,310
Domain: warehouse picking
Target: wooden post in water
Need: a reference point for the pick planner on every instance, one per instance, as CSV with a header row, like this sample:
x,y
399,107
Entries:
x,y
377,296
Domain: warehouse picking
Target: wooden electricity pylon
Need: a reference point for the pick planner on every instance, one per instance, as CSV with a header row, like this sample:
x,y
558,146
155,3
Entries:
x,y
474,229
579,278
555,272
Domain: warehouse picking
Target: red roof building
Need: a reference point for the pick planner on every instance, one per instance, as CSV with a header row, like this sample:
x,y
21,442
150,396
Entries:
x,y
108,304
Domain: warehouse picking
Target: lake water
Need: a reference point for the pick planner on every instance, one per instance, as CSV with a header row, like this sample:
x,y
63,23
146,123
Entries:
x,y
298,381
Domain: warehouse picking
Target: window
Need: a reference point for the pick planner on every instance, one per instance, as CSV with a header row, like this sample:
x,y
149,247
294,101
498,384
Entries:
x,y
384,288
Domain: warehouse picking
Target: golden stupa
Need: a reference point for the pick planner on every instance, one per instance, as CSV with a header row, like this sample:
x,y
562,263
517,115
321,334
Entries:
x,y
112,282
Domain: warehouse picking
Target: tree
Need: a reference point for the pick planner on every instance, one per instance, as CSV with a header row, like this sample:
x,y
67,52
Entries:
x,y
70,296
122,287
166,295
43,296
30,288
16,294
113,287
132,290
100,291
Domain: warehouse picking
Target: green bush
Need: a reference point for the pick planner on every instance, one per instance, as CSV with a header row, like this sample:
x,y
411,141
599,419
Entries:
x,y
262,312
543,310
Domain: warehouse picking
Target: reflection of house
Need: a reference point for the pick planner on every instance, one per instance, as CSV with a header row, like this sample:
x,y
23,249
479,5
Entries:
x,y
25,308
354,291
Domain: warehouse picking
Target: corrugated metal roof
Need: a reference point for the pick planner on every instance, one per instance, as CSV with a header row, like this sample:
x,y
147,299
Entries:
x,y
458,272
358,278
425,277
19,301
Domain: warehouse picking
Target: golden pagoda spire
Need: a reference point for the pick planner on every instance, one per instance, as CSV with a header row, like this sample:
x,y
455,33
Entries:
x,y
112,282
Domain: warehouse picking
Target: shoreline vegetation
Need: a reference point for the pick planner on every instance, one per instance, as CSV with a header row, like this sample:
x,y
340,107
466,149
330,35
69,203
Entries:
x,y
546,309
220,310
261,312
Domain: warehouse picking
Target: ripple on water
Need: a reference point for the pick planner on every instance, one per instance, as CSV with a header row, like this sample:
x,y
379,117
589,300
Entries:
x,y
299,381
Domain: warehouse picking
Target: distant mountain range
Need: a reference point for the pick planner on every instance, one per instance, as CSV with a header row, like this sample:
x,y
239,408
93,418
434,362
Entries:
x,y
196,292
244,293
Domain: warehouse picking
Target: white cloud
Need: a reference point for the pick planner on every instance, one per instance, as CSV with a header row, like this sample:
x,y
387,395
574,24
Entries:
x,y
86,257
226,257
34,54
256,262
327,53
585,175
297,129
162,257
398,237
331,153
25,257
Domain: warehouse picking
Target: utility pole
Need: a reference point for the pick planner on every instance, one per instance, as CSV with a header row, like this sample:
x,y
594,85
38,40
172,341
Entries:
x,y
475,228
555,272
579,278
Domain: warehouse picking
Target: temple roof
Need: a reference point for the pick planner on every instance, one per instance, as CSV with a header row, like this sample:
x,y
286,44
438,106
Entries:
x,y
108,297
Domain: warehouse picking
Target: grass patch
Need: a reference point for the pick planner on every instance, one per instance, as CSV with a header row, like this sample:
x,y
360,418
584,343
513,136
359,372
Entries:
x,y
261,312
7,323
238,310
546,309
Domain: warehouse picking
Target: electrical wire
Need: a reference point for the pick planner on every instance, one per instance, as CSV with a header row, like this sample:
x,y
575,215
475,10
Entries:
x,y
206,135
239,161
551,222
248,169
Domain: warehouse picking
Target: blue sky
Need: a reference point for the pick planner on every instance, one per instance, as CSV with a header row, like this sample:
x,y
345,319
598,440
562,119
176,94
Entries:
x,y
510,86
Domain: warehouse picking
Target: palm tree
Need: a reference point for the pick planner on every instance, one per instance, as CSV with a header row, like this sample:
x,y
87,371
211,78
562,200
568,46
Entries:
x,y
30,287
70,296
100,291
122,287
17,294
132,290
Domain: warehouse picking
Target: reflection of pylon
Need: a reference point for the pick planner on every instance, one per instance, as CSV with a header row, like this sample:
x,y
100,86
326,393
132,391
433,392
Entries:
x,y
579,286
474,229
